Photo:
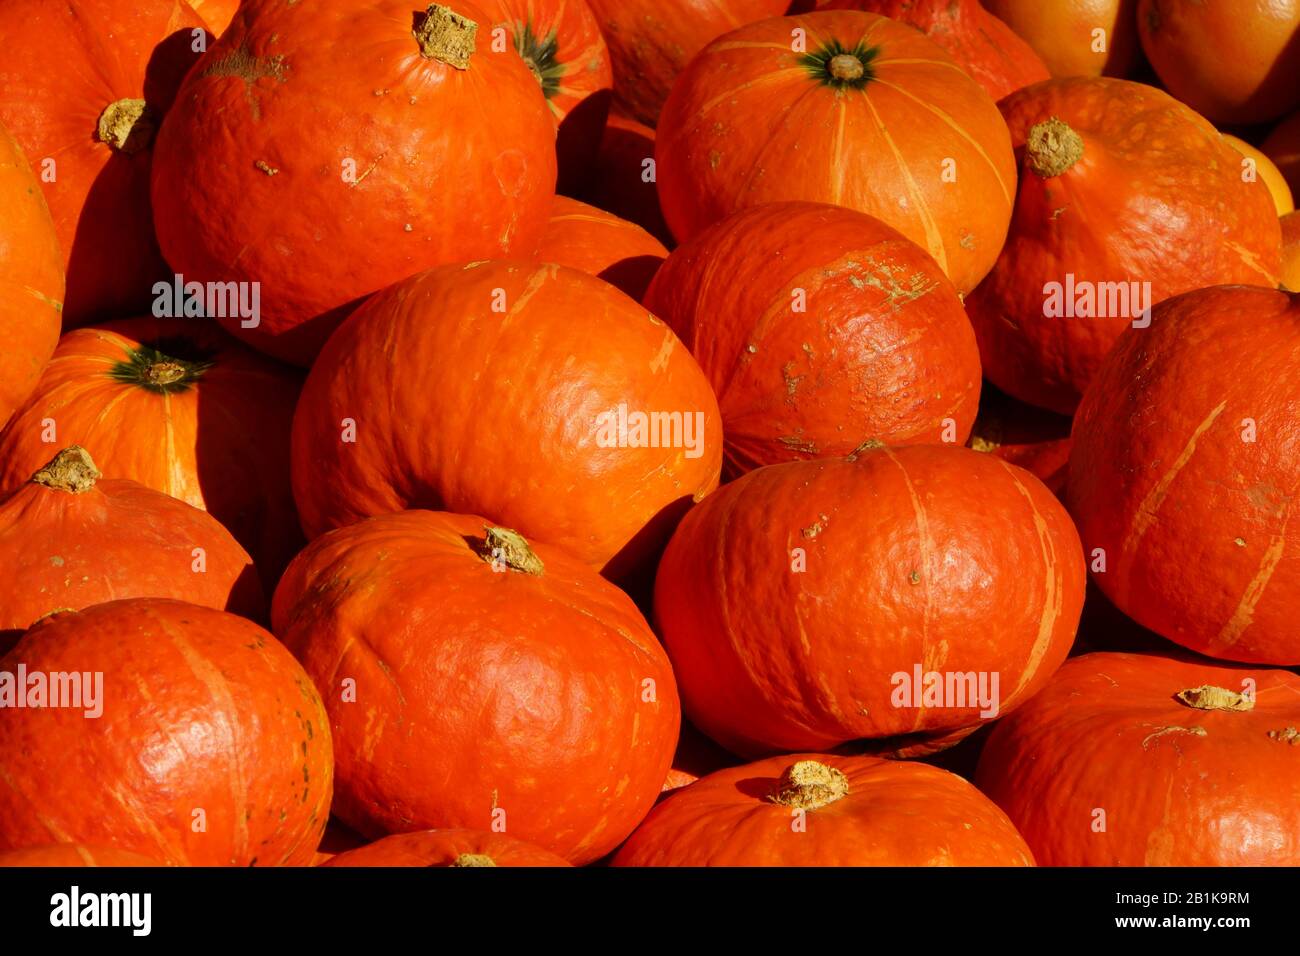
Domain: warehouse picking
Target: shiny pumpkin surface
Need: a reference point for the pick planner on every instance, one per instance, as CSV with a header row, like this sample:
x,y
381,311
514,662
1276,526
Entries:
x,y
457,848
1144,760
599,243
1065,33
494,683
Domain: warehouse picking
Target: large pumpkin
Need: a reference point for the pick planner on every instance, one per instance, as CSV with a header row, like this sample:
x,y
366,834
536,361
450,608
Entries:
x,y
1266,171
1144,760
873,116
820,328
473,680
1282,146
68,540
31,279
599,243
83,87
981,44
1076,37
815,603
458,848
1126,198
210,748
823,810
1183,473
650,41
561,43
1233,62
74,855
623,179
180,407
520,392
422,143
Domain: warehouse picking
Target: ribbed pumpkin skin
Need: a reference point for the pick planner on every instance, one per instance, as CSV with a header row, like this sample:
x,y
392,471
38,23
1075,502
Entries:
x,y
882,348
1180,786
567,349
750,121
65,550
599,243
894,814
623,179
1061,32
981,44
960,563
217,439
1282,146
650,41
448,848
1157,196
74,854
65,63
201,710
1161,478
477,689
1232,62
31,278
561,42
309,175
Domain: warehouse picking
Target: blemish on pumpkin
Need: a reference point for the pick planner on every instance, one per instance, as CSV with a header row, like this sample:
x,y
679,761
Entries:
x,y
795,443
816,528
867,445
408,228
1208,697
247,67
714,158
914,577
1194,731
967,241
1239,542
983,444
1289,735
810,785
265,167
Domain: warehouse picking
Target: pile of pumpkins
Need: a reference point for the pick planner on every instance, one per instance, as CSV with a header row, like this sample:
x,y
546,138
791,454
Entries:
x,y
649,432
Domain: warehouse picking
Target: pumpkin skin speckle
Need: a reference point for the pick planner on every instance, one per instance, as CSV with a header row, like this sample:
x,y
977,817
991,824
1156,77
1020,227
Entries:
x,y
448,848
1179,785
201,710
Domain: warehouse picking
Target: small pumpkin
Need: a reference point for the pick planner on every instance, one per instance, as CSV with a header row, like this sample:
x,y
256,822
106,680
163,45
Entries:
x,y
650,41
1076,37
561,42
1231,62
1192,764
981,44
200,711
427,145
448,848
69,540
530,419
874,116
1126,198
824,810
86,84
1183,472
1266,172
180,407
1033,438
1282,146
622,181
73,855
31,279
599,243
497,682
1290,272
820,328
810,604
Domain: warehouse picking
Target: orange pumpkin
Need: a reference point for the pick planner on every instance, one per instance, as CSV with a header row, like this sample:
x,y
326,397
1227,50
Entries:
x,y
1266,172
874,116
1232,62
31,279
1126,198
1144,760
1183,472
599,243
824,810
217,14
210,746
1065,33
73,855
68,541
1290,273
180,407
623,179
820,328
492,683
555,359
1282,146
448,848
961,565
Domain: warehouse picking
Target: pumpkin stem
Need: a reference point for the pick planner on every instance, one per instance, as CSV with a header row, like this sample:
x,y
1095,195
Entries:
x,y
445,36
841,67
71,470
164,372
501,545
1207,697
126,125
845,67
473,859
809,785
1052,147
